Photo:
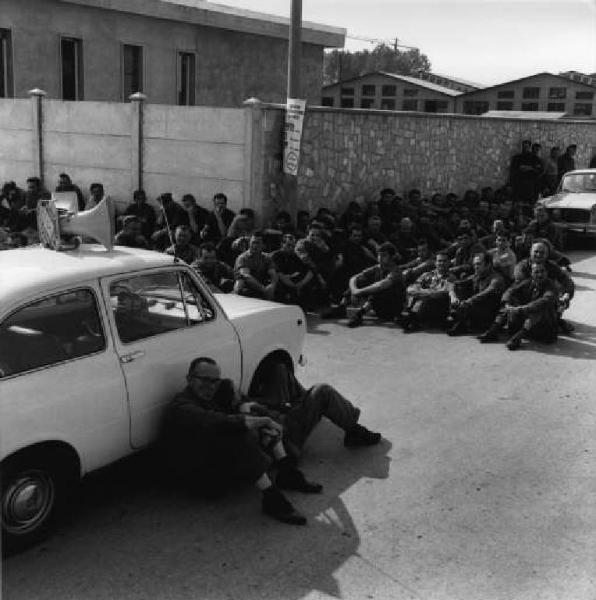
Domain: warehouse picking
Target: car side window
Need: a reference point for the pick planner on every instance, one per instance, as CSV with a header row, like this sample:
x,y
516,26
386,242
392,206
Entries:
x,y
156,303
58,328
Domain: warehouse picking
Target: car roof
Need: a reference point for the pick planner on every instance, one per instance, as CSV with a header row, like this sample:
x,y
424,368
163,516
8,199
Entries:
x,y
30,270
582,172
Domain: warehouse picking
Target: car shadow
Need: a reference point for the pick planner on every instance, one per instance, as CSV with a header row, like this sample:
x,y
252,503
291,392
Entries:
x,y
582,275
166,541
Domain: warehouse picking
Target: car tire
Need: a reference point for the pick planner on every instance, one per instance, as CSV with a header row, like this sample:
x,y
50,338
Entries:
x,y
262,374
34,489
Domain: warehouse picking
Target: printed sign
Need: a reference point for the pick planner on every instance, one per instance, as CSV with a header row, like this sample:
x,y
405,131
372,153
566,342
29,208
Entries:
x,y
292,134
48,224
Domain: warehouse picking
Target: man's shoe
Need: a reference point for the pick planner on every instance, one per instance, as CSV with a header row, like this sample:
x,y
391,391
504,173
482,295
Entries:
x,y
491,335
276,505
356,320
458,328
360,436
335,312
565,326
293,479
515,341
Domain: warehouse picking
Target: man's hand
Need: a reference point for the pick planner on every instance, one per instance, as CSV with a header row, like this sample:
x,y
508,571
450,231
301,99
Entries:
x,y
513,310
246,407
266,423
564,299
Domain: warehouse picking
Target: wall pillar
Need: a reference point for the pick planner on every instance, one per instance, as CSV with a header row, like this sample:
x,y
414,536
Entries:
x,y
37,97
253,157
138,106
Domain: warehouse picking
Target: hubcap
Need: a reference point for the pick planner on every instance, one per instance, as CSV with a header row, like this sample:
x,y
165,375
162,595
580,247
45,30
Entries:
x,y
27,501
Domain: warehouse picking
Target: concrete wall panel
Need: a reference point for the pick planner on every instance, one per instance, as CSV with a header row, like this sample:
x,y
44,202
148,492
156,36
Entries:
x,y
205,124
221,161
15,114
88,117
15,145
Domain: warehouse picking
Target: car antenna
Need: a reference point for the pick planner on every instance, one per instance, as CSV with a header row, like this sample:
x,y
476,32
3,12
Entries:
x,y
165,216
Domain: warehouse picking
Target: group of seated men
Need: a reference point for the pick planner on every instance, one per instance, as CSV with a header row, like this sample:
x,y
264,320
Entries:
x,y
444,260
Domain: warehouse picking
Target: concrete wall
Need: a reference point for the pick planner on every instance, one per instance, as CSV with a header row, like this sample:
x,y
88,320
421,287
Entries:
x,y
16,140
353,154
230,66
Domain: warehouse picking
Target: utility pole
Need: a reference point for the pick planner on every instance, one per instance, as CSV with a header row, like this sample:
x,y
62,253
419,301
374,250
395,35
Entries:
x,y
294,91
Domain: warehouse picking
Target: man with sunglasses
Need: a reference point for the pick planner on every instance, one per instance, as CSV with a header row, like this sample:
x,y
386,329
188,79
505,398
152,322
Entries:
x,y
214,446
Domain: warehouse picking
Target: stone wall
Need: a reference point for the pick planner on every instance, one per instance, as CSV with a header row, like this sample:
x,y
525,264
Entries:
x,y
352,154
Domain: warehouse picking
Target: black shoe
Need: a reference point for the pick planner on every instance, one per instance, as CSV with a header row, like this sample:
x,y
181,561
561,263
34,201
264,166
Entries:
x,y
293,479
566,327
491,335
276,505
360,436
514,342
458,328
356,320
335,312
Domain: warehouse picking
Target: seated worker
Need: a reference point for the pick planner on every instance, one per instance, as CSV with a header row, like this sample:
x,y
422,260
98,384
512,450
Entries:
x,y
465,249
131,234
182,248
144,211
255,272
294,275
424,261
211,441
529,311
504,259
315,294
542,227
482,297
380,288
539,253
428,297
218,275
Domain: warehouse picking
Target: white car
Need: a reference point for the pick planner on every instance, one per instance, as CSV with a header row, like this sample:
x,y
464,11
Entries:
x,y
573,207
93,344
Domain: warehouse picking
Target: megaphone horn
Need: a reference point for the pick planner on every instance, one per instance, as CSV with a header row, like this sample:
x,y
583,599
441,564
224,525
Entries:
x,y
96,223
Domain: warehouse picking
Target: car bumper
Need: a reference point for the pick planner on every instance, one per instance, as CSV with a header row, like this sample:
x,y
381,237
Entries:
x,y
581,228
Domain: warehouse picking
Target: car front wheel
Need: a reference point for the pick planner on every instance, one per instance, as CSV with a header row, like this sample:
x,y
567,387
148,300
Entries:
x,y
32,492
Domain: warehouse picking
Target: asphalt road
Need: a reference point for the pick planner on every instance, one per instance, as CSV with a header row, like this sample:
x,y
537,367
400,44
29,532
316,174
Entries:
x,y
485,487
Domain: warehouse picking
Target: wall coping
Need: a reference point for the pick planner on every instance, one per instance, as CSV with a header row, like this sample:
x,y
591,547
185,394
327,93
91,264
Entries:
x,y
425,115
199,12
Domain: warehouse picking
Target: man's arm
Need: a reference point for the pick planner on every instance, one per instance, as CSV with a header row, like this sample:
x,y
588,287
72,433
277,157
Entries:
x,y
494,288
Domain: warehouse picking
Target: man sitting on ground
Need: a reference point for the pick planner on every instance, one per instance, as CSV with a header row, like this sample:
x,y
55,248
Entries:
x,y
428,297
379,288
182,248
529,311
255,272
482,292
131,235
218,275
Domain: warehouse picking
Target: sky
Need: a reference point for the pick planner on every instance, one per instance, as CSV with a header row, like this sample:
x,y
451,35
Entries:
x,y
483,41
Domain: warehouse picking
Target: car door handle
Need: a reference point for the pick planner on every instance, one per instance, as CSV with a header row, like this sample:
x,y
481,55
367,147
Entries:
x,y
126,358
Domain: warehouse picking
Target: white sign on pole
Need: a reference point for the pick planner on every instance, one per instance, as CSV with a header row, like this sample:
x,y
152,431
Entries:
x,y
292,134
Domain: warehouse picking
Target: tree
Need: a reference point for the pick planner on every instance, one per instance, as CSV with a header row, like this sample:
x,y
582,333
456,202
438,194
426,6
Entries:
x,y
342,64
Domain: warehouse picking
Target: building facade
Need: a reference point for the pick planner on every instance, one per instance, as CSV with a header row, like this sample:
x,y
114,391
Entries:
x,y
185,52
388,91
543,92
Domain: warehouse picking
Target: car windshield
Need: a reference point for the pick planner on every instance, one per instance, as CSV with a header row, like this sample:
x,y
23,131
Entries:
x,y
579,182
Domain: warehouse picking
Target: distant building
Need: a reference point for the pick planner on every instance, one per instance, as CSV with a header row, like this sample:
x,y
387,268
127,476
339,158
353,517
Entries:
x,y
453,83
541,92
389,91
581,77
176,51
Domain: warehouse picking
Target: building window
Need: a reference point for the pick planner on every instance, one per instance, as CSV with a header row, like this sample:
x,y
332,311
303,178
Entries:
x,y
347,91
388,90
368,90
132,70
506,94
6,85
529,106
410,92
367,103
435,106
475,107
584,95
387,104
531,92
556,107
71,55
186,79
582,110
347,102
557,92
328,101
410,104
504,105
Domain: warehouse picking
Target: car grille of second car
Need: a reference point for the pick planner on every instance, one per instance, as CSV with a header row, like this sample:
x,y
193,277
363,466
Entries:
x,y
573,215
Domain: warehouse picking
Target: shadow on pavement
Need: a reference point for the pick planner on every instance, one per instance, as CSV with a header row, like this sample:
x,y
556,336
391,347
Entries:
x,y
165,542
580,344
